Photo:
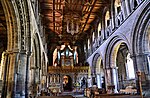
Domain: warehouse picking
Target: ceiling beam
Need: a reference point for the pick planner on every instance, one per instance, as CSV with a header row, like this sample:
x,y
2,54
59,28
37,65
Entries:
x,y
54,15
89,15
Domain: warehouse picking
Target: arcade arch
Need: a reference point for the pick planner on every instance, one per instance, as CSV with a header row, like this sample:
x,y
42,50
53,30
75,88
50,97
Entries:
x,y
98,71
141,47
100,75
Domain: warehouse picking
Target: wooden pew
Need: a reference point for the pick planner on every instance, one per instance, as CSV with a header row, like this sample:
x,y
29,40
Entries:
x,y
116,96
64,96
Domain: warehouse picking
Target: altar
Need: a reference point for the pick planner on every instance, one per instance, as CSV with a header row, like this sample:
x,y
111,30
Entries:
x,y
71,75
66,71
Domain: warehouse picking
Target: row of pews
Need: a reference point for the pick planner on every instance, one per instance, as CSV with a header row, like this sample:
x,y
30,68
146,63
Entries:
x,y
64,96
116,96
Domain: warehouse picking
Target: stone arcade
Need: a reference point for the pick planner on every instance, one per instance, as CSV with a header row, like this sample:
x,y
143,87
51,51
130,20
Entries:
x,y
100,47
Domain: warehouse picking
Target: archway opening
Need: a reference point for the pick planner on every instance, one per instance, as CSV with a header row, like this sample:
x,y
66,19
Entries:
x,y
125,68
67,83
107,19
100,75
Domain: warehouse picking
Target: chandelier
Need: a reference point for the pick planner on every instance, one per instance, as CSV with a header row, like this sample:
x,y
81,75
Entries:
x,y
72,26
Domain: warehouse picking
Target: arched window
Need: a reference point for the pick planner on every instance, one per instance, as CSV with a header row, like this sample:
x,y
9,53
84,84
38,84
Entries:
x,y
93,36
99,29
118,12
107,19
100,73
117,7
88,43
84,47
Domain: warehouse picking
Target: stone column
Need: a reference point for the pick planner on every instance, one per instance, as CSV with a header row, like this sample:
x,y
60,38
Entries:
x,y
27,75
111,80
33,81
93,79
9,77
108,77
99,80
4,75
141,64
21,75
114,78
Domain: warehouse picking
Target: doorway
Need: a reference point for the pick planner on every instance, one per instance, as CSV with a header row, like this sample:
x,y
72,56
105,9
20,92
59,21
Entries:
x,y
67,83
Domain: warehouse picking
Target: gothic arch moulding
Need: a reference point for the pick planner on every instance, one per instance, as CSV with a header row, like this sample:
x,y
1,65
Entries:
x,y
16,14
10,22
112,48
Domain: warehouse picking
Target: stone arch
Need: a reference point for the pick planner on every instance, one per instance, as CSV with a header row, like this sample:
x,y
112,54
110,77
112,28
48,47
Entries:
x,y
98,68
18,35
18,48
18,28
110,59
140,30
141,46
115,40
10,22
95,57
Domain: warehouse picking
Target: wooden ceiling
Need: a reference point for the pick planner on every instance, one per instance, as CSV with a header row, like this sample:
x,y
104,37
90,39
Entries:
x,y
56,12
3,32
54,15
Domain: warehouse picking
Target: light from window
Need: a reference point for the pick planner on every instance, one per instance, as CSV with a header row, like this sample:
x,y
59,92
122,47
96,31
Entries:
x,y
130,67
99,29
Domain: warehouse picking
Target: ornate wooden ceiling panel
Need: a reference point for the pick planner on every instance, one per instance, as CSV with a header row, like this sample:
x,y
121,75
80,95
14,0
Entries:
x,y
56,13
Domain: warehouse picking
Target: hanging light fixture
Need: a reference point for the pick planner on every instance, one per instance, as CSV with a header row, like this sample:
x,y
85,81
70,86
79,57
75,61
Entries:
x,y
72,26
